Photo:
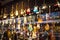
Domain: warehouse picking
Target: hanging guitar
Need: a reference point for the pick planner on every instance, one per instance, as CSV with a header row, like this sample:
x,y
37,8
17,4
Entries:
x,y
25,19
30,27
47,27
39,19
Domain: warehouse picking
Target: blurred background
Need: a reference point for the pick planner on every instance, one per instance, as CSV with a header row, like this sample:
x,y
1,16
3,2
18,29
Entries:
x,y
29,19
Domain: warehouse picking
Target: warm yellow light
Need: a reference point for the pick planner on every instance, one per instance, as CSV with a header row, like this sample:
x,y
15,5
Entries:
x,y
10,21
11,15
16,13
47,27
5,16
38,26
22,12
40,20
43,7
34,35
35,29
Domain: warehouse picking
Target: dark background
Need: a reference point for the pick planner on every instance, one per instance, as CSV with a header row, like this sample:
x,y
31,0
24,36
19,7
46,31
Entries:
x,y
7,4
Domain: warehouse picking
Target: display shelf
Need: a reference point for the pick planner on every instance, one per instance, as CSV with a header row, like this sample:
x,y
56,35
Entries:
x,y
49,21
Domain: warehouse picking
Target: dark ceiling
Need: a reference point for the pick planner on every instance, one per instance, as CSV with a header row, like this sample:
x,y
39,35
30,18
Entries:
x,y
3,2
